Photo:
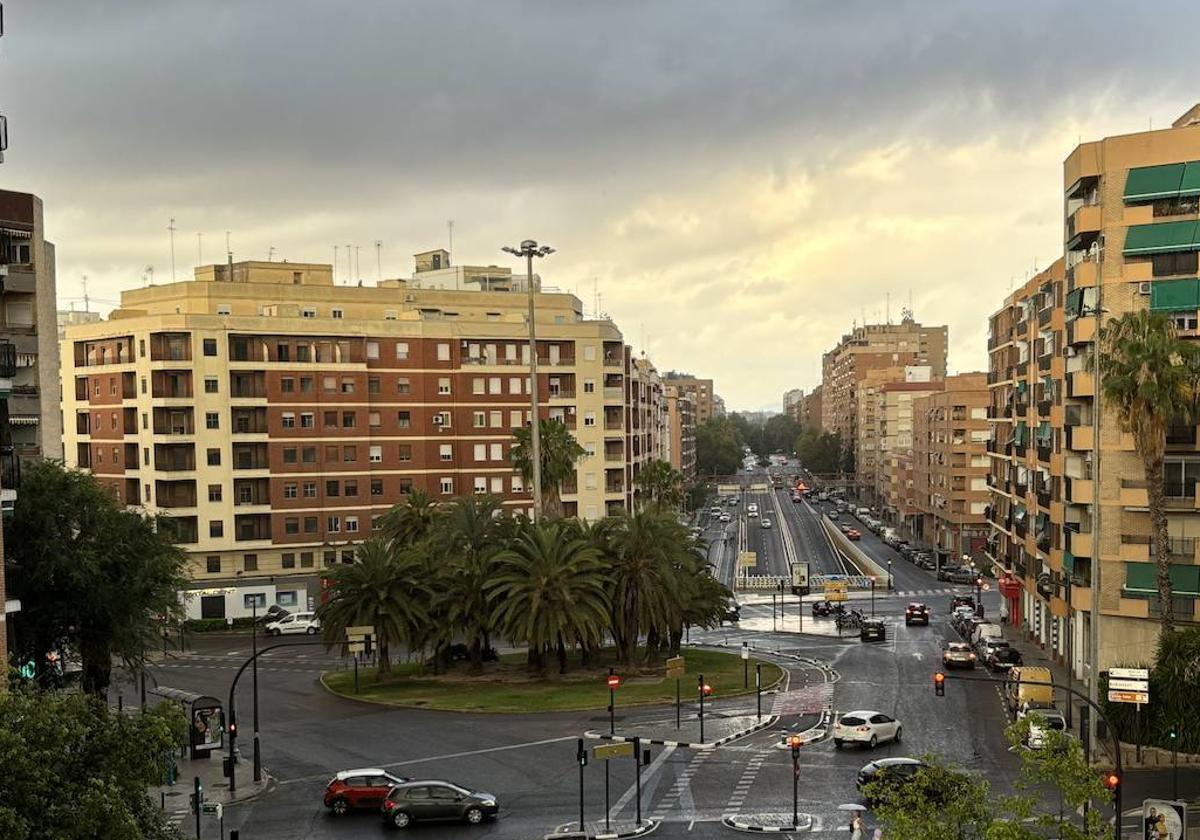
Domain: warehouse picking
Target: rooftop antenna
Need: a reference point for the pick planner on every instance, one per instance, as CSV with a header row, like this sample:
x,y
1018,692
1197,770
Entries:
x,y
271,254
349,264
379,260
150,273
888,310
86,307
596,297
335,259
199,248
450,237
171,228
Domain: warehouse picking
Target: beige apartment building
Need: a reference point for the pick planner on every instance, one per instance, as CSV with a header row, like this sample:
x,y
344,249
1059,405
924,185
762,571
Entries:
x,y
813,406
950,466
870,348
892,438
273,417
793,403
681,414
701,393
648,421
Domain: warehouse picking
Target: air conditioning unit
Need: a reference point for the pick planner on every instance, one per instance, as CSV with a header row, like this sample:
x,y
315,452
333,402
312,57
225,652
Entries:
x,y
1144,287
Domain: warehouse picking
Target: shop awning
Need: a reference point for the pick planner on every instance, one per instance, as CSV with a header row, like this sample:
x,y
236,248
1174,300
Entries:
x,y
1161,238
1146,183
1142,579
1190,185
1175,295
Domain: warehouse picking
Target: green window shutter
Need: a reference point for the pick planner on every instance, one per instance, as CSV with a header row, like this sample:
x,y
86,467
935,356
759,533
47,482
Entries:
x,y
1185,580
1161,239
1074,303
1190,185
1146,183
1175,295
1068,564
1139,578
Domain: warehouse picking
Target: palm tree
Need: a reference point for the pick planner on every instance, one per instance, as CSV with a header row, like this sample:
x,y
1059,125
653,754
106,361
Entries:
x,y
549,589
1148,377
642,550
385,588
466,541
660,485
409,522
560,453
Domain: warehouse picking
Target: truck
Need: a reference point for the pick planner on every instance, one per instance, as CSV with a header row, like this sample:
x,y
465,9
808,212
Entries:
x,y
800,578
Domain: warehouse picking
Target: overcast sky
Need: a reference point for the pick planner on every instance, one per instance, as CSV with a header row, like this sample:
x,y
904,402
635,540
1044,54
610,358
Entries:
x,y
740,180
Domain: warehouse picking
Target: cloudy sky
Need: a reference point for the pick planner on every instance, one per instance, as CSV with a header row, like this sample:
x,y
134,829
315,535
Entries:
x,y
740,180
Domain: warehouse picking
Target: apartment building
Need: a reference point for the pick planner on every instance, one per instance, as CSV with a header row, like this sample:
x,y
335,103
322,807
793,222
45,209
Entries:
x,y
793,403
273,417
950,466
813,406
867,348
701,393
647,421
892,437
718,405
681,414
873,436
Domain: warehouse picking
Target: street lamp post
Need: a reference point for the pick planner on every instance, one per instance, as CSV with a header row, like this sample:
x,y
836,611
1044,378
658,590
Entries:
x,y
254,654
891,585
872,596
530,249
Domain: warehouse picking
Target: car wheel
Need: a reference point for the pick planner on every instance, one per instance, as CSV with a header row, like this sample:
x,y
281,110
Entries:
x,y
874,741
474,816
837,742
898,731
312,631
339,806
401,819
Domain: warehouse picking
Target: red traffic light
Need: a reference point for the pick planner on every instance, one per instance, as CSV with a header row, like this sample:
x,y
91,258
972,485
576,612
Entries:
x,y
939,684
614,681
232,728
1112,781
794,741
707,689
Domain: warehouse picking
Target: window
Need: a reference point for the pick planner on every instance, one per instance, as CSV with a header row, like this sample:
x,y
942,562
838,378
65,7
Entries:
x,y
212,564
351,524
112,387
309,454
287,384
310,524
349,454
477,385
514,385
590,448
329,383
372,349
495,419
405,452
389,314
143,386
289,455
376,486
347,385
216,529
306,384
443,385
373,419
212,420
349,419
442,419
447,486
515,419
443,352
282,353
1184,321
210,344
331,420
303,353
495,385
401,349
375,453
589,386
289,490
372,384
333,524
518,484
214,492
214,457
497,452
351,488
308,312
1180,476
291,525
250,564
405,486
403,386
481,452
589,481
332,488
112,421
497,485
288,419
307,420
480,484
146,456
479,419
329,558
310,489
288,561
446,452
306,559
589,418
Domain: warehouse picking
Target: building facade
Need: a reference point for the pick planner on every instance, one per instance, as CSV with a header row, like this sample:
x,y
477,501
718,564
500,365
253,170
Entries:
x,y
647,421
793,403
274,417
681,413
813,406
892,438
701,393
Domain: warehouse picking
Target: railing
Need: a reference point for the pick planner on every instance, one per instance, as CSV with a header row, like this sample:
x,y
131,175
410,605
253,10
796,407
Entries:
x,y
1181,548
8,360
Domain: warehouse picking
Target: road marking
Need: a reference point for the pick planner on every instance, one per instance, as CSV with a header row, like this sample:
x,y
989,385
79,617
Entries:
x,y
320,776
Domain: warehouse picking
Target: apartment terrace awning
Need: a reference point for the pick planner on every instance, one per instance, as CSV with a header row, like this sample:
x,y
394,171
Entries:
x,y
1141,578
1146,183
1161,238
1175,295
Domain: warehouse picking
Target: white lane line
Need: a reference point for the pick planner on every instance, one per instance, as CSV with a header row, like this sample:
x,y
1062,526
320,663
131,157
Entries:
x,y
445,757
647,773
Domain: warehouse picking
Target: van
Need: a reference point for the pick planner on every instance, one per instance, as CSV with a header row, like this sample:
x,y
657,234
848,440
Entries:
x,y
1028,686
985,631
862,513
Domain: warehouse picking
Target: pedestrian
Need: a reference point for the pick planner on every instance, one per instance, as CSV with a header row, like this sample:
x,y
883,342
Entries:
x,y
878,835
856,827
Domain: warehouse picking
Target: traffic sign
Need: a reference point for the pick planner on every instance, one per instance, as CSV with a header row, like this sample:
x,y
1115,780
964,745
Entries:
x,y
1129,685
360,630
1139,697
357,647
746,559
215,809
607,751
1129,673
676,667
614,681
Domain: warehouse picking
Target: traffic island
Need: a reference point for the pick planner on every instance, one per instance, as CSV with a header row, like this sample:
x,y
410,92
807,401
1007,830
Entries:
x,y
596,830
767,823
508,686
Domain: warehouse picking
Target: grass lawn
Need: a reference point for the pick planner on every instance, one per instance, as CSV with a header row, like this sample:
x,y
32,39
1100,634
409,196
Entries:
x,y
508,686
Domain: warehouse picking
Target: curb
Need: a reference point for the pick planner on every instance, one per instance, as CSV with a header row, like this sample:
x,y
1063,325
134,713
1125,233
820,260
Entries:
x,y
648,825
806,824
708,745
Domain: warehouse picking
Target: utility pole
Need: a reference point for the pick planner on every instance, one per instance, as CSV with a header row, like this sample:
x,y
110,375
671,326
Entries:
x,y
378,261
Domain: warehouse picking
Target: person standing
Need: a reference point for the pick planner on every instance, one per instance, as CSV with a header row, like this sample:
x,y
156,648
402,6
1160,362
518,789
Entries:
x,y
856,827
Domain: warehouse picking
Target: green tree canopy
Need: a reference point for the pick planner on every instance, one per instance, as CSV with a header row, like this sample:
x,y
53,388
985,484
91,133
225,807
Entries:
x,y
90,574
819,453
719,447
560,453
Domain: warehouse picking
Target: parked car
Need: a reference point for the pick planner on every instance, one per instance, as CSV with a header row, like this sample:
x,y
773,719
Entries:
x,y
987,645
853,534
958,655
983,631
355,789
865,727
961,601
1043,721
733,611
888,771
872,630
301,622
824,608
831,513
845,526
273,613
436,801
963,575
916,614
1002,659
924,561
1028,687
945,571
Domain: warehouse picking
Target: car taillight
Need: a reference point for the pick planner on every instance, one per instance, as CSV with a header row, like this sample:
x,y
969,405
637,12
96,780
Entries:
x,y
972,656
388,804
864,729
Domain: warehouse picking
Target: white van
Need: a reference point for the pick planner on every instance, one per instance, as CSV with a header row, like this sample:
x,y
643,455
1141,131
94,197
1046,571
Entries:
x,y
985,631
752,510
302,622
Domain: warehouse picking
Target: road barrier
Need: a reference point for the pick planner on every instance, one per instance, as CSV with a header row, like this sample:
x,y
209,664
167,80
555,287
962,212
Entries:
x,y
852,552
851,581
768,582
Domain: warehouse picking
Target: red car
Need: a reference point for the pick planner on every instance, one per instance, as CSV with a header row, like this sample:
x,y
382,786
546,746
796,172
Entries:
x,y
853,534
364,788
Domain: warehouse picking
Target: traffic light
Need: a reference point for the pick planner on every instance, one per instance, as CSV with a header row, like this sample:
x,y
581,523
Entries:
x,y
707,689
1111,781
939,684
794,742
233,728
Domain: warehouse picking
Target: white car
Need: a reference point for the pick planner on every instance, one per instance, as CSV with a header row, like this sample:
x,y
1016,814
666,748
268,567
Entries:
x,y
725,517
865,727
302,622
1044,720
752,508
766,523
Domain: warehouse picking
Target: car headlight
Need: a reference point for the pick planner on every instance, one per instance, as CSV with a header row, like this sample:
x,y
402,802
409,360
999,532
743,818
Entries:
x,y
488,803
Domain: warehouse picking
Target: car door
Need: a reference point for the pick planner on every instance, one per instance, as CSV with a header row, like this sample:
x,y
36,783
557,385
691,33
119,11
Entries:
x,y
445,802
356,787
417,803
287,624
375,790
884,726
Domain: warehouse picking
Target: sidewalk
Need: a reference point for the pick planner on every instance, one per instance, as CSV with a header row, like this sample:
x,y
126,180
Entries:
x,y
175,799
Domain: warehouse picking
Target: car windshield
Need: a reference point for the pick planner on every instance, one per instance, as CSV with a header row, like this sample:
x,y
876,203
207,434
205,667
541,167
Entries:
x,y
850,720
958,647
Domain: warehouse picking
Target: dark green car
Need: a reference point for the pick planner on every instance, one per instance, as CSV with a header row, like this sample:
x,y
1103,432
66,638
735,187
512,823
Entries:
x,y
436,801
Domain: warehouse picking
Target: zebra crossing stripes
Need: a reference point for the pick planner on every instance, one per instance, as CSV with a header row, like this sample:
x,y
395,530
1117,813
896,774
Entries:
x,y
807,700
680,793
742,788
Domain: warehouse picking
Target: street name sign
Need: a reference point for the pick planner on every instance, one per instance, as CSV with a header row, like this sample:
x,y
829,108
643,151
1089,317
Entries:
x,y
360,631
1128,685
1139,697
835,590
607,751
676,667
1129,673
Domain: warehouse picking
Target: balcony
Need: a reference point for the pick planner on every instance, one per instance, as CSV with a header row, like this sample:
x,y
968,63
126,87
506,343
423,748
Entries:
x,y
251,491
250,456
561,393
249,421
172,347
181,529
1078,542
1080,438
613,393
248,385
1083,226
171,384
10,479
1083,274
614,454
1081,383
1134,549
174,421
1079,491
174,457
175,494
1044,451
8,360
1134,493
249,527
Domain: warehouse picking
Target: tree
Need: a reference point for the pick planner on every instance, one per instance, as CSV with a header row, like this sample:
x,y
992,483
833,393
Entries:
x,y
91,576
411,521
1149,378
940,803
819,453
75,769
660,486
560,452
549,591
385,587
779,434
718,447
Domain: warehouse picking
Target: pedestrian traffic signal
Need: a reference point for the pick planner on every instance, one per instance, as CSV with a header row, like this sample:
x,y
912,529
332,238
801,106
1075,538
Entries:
x,y
794,742
939,684
1111,781
233,728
